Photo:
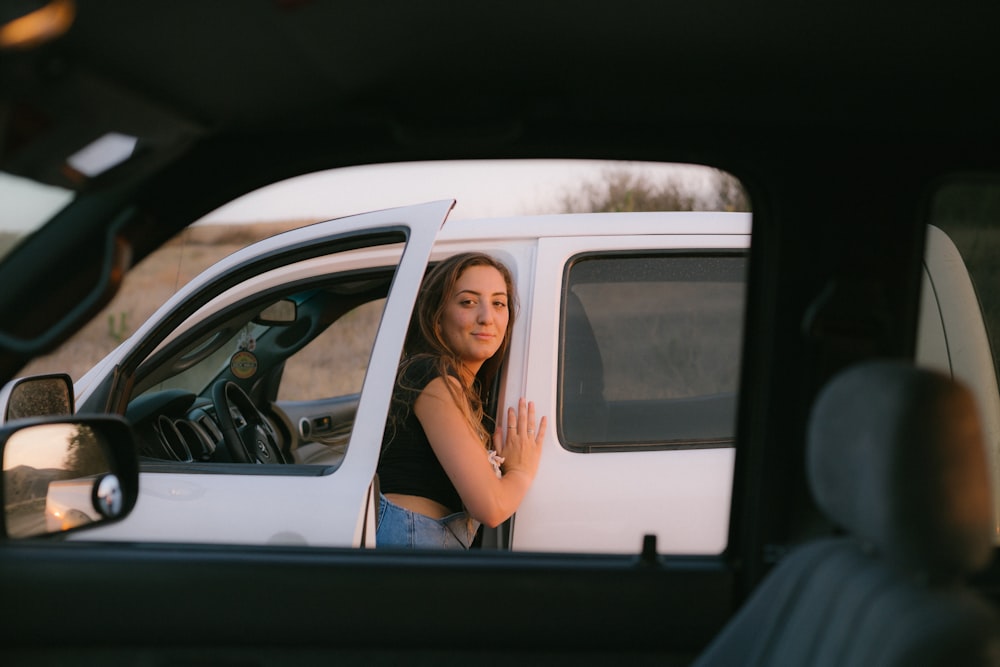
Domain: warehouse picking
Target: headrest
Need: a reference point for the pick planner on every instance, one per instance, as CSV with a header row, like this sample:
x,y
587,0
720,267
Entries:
x,y
896,457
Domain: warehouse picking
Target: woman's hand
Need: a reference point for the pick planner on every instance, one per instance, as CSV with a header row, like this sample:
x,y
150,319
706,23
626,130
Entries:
x,y
519,442
461,453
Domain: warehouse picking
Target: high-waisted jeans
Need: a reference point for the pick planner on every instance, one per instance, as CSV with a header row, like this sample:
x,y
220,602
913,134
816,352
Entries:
x,y
399,527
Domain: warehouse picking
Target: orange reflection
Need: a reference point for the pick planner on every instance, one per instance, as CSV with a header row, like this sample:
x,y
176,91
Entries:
x,y
42,25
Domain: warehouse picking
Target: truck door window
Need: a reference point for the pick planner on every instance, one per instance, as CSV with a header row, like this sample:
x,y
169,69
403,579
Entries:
x,y
335,362
650,353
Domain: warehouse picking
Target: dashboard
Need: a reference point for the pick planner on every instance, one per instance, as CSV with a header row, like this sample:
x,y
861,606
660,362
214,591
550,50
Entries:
x,y
176,425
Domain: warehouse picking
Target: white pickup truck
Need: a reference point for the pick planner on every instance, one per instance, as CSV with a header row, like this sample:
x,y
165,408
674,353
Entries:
x,y
259,391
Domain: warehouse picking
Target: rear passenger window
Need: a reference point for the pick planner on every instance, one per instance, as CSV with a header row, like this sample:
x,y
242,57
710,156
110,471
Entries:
x,y
650,353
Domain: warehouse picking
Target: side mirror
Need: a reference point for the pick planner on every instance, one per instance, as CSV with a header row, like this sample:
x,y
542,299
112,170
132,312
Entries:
x,y
62,474
37,396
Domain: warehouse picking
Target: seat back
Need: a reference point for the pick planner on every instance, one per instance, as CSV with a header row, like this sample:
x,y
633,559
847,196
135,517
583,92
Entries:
x,y
896,459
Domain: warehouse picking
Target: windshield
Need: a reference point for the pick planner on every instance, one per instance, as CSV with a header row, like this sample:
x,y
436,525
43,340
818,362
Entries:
x,y
206,360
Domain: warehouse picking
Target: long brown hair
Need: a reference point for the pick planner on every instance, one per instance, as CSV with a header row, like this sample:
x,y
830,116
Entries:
x,y
424,339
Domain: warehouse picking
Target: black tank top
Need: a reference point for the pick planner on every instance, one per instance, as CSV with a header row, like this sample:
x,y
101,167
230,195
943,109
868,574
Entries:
x,y
408,464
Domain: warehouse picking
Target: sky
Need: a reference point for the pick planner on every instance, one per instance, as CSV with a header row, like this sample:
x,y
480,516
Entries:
x,y
41,446
482,189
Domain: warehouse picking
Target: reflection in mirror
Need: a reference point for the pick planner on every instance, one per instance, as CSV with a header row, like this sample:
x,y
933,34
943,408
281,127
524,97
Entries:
x,y
40,396
108,498
57,477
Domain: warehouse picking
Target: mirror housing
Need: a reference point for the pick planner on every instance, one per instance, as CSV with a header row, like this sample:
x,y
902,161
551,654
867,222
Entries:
x,y
62,474
37,396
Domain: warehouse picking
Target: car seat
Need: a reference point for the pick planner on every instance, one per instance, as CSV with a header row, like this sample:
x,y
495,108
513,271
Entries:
x,y
895,458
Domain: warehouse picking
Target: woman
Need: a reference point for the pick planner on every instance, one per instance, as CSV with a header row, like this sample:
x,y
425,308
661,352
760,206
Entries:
x,y
439,474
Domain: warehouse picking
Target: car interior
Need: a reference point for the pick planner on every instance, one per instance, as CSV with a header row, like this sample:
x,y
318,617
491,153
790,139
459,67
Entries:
x,y
890,590
860,529
190,404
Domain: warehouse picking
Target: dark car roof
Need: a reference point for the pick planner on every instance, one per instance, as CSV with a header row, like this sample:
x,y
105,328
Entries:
x,y
276,65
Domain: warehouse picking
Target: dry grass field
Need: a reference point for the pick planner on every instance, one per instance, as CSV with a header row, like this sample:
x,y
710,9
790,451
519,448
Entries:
x,y
147,286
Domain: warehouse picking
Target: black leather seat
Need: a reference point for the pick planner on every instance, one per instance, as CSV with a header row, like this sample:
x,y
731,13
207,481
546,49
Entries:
x,y
895,458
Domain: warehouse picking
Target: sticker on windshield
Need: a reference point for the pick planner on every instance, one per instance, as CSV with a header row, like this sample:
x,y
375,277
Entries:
x,y
243,364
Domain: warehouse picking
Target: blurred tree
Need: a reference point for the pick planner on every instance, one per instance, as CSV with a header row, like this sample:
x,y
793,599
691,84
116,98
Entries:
x,y
625,190
84,454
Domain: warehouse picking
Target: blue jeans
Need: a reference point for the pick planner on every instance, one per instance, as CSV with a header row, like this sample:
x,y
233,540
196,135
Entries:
x,y
399,527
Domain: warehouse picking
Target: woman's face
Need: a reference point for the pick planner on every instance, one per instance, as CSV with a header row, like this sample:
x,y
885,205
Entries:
x,y
475,315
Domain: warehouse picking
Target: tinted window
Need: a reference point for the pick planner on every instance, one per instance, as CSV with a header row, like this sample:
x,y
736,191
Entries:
x,y
651,351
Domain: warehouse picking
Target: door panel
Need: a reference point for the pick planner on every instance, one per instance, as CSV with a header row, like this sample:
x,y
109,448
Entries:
x,y
638,374
322,428
316,505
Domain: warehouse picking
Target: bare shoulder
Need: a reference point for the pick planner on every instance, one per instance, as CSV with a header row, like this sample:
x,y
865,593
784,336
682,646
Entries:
x,y
441,389
441,416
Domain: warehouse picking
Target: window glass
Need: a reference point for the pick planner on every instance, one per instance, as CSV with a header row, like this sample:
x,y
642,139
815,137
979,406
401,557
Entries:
x,y
663,325
334,363
959,329
968,211
207,359
288,368
651,351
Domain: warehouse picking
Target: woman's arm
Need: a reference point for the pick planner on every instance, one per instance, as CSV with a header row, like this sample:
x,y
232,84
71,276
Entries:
x,y
465,460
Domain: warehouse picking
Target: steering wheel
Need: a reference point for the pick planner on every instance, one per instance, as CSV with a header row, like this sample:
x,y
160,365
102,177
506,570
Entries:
x,y
249,437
